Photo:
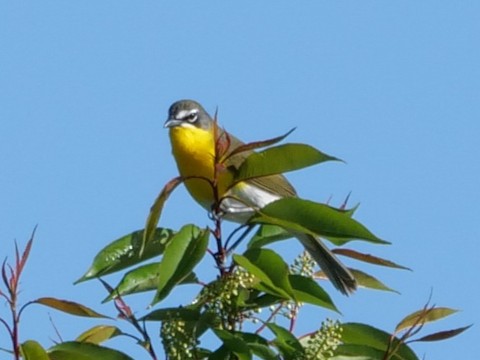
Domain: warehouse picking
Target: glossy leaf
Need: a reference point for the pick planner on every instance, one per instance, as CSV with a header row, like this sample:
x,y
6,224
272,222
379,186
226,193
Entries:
x,y
307,216
368,281
443,335
308,291
269,268
234,344
156,211
144,278
32,350
73,350
263,301
368,336
69,307
182,254
267,234
178,313
125,252
359,352
424,316
258,345
99,334
280,159
286,343
368,258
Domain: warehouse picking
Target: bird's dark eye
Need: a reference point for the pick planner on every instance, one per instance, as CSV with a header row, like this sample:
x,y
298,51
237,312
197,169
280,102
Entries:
x,y
191,117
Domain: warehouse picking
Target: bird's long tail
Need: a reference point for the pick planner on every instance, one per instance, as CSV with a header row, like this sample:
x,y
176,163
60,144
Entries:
x,y
338,274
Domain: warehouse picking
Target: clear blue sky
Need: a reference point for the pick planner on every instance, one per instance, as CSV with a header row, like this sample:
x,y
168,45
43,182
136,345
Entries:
x,y
393,88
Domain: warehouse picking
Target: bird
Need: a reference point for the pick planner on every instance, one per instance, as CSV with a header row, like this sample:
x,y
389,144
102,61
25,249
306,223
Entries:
x,y
194,140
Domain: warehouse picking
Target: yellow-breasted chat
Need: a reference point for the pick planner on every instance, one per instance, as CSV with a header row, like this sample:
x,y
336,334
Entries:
x,y
194,138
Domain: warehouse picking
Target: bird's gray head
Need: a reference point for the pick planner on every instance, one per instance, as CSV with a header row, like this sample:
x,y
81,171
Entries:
x,y
188,113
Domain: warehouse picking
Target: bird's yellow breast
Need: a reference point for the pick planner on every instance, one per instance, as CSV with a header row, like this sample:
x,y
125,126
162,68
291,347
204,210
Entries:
x,y
194,152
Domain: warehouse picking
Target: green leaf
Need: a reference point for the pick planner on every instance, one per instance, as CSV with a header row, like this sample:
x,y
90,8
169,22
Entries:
x,y
368,281
359,352
69,307
280,159
73,350
99,334
308,291
125,252
263,301
267,234
234,344
144,278
176,313
424,316
366,335
32,350
156,211
258,345
201,353
307,216
269,268
286,343
182,254
368,258
443,335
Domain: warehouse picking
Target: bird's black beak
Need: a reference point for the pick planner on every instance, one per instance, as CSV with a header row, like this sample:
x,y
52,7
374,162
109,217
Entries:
x,y
172,123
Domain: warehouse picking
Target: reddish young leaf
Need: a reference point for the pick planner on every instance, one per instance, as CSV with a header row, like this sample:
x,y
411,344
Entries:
x,y
368,258
156,209
443,335
21,261
98,334
423,316
258,144
69,307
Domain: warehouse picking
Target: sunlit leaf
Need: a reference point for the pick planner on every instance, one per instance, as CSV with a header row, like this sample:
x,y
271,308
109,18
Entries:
x,y
359,352
73,350
32,350
366,335
301,215
443,335
99,334
280,159
267,234
156,211
368,258
365,280
424,316
69,307
308,291
269,268
144,278
181,255
125,252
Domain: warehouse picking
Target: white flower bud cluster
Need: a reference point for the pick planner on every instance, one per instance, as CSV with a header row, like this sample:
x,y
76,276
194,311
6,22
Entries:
x,y
322,344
